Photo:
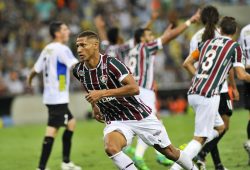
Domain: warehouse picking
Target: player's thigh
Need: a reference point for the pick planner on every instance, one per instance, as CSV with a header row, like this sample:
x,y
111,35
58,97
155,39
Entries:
x,y
205,113
148,97
120,130
226,120
219,123
51,131
151,131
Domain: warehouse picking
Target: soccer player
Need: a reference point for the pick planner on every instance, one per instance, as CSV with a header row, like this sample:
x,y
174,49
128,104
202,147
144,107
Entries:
x,y
209,18
245,44
111,90
55,61
141,64
216,57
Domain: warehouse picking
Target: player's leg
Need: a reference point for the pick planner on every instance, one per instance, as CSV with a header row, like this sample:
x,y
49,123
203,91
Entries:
x,y
70,123
247,106
51,131
116,137
47,146
205,113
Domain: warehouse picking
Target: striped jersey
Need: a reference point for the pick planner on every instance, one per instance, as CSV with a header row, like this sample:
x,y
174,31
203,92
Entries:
x,y
245,43
109,74
217,56
194,43
141,62
118,51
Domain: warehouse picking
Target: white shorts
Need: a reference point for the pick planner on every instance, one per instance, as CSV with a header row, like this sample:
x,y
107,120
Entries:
x,y
148,97
149,129
206,114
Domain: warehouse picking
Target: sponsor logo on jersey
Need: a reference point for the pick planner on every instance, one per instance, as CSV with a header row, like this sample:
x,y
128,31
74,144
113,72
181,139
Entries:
x,y
81,72
107,99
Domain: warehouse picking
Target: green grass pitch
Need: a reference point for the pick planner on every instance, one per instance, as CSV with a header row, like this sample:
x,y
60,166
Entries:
x,y
20,146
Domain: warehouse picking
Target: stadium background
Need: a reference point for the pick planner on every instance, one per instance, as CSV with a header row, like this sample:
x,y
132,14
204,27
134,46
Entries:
x,y
24,32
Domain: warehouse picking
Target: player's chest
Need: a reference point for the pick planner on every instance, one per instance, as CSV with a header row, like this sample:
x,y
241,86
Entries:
x,y
94,79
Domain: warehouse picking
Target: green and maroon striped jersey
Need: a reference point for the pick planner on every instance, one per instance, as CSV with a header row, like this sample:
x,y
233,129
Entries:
x,y
141,62
109,74
217,56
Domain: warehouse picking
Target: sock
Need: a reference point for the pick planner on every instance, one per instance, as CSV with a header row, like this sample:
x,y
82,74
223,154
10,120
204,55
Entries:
x,y
66,140
123,162
209,146
248,130
191,150
216,158
140,148
185,162
46,150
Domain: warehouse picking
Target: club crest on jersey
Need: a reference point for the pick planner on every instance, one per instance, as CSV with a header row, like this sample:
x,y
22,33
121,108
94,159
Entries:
x,y
81,72
103,79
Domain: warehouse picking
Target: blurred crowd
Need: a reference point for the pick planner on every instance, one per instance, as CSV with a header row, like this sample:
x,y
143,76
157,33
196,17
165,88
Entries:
x,y
24,33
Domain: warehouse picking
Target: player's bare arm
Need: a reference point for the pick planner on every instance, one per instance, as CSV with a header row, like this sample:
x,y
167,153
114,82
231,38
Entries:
x,y
30,77
188,64
100,26
170,34
130,88
242,74
232,83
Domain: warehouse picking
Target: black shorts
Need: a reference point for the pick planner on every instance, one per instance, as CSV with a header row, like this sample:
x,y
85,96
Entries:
x,y
226,106
247,93
59,115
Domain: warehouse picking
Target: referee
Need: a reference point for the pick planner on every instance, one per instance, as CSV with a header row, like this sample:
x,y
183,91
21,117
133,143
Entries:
x,y
55,61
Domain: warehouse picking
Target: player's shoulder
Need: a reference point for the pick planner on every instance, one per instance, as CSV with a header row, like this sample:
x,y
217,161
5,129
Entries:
x,y
245,31
197,36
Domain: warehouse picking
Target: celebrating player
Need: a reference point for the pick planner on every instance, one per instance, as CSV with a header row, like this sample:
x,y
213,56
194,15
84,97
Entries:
x,y
141,64
55,62
111,91
245,44
216,57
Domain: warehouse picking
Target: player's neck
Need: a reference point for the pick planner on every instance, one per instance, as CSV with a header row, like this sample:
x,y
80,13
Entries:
x,y
57,40
93,62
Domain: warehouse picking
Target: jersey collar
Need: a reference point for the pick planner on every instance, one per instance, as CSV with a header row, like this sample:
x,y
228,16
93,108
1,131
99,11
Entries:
x,y
100,60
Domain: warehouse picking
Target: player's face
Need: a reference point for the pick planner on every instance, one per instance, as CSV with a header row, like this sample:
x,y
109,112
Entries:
x,y
86,48
148,36
64,33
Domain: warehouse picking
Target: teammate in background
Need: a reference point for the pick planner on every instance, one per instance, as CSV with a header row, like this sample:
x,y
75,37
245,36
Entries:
x,y
209,18
245,44
111,91
55,62
204,93
141,64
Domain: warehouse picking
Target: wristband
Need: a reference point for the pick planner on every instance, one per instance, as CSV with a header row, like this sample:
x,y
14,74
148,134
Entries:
x,y
188,23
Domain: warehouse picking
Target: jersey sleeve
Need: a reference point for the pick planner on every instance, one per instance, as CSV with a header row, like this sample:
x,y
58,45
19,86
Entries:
x,y
38,67
154,46
74,71
66,56
238,57
117,68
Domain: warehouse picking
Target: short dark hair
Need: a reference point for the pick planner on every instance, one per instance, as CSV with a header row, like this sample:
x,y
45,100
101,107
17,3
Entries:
x,y
113,34
88,34
54,27
228,25
139,33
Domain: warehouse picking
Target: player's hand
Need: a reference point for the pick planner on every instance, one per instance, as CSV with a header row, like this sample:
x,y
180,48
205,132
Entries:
x,y
196,17
236,95
96,113
94,96
28,82
99,22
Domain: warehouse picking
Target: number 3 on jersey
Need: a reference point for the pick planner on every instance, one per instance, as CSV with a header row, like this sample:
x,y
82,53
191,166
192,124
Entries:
x,y
209,59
